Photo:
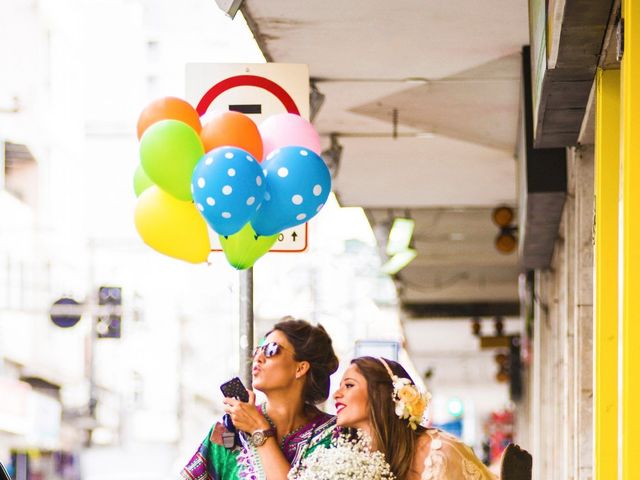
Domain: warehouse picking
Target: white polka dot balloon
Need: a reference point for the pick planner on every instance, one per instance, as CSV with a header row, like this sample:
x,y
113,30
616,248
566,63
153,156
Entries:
x,y
228,189
298,183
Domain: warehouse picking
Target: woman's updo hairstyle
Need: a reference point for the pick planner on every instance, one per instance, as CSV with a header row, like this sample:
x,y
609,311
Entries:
x,y
312,344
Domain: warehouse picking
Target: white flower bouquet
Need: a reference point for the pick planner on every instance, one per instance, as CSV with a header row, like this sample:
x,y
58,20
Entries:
x,y
346,459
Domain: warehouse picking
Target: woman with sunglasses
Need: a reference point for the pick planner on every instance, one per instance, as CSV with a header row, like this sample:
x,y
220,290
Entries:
x,y
291,367
379,397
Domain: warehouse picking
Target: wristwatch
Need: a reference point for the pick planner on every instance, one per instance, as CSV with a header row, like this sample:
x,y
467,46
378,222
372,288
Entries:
x,y
259,437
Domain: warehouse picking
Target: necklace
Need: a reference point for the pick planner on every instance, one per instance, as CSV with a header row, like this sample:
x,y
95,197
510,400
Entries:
x,y
263,410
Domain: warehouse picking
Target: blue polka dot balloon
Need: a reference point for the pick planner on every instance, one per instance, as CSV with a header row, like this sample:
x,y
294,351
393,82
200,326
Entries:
x,y
298,184
228,186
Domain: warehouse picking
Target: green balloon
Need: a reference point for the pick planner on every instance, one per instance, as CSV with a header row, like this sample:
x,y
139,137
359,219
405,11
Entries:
x,y
141,181
169,151
242,249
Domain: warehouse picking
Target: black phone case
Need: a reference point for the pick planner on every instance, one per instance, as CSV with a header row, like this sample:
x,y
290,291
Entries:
x,y
235,389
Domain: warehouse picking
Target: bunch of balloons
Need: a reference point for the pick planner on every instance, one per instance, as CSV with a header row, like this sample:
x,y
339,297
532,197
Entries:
x,y
247,183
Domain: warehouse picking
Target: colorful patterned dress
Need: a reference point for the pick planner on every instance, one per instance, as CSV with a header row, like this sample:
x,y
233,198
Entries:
x,y
213,461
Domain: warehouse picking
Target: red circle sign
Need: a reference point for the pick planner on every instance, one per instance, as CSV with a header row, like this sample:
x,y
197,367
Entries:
x,y
247,81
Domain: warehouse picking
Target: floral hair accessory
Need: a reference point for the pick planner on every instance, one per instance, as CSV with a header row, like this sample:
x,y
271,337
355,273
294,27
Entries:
x,y
410,402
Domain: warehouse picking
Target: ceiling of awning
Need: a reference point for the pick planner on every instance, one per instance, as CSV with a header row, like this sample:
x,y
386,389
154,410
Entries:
x,y
424,98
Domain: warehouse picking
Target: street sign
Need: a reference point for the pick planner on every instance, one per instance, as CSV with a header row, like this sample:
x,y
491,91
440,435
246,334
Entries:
x,y
256,89
259,91
110,325
65,312
291,240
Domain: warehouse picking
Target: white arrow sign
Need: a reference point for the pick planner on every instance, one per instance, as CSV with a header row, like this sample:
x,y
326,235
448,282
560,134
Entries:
x,y
292,240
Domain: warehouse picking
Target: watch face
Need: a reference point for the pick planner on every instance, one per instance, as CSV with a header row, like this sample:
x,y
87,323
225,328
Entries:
x,y
258,438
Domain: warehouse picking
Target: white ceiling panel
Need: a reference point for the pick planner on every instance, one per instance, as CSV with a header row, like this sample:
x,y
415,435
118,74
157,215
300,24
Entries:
x,y
390,39
423,172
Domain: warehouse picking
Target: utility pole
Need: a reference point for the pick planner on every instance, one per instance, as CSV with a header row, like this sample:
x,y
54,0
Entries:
x,y
182,353
93,396
93,336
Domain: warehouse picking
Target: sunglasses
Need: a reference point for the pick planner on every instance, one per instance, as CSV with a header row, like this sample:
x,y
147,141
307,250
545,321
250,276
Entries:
x,y
270,349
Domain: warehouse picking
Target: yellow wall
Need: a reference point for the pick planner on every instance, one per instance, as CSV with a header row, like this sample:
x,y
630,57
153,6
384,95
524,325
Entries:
x,y
630,258
607,179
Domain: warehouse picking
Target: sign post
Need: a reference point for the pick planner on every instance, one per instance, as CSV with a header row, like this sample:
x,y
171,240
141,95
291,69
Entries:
x,y
246,324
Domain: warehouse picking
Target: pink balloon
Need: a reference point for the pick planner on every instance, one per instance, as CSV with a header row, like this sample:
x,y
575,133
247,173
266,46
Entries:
x,y
288,129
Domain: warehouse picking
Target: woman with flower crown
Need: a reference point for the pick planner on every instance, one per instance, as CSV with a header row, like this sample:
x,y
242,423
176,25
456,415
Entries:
x,y
378,397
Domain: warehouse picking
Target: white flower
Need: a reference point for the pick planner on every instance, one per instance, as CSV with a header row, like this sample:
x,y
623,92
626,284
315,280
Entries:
x,y
346,459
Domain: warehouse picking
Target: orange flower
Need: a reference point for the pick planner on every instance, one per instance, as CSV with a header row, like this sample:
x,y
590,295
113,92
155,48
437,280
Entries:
x,y
417,406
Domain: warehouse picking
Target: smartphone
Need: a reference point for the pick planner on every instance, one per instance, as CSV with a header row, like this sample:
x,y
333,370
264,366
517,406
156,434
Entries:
x,y
235,389
3,473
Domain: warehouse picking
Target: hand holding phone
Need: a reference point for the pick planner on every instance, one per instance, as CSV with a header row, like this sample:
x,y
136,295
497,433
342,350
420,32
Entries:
x,y
232,389
235,389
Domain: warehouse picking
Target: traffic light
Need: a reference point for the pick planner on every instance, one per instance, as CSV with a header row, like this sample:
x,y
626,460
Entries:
x,y
109,323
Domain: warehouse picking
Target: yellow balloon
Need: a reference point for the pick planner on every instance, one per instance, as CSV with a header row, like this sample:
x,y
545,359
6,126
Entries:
x,y
171,226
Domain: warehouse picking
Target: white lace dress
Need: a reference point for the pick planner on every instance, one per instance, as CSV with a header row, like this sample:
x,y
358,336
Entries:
x,y
447,458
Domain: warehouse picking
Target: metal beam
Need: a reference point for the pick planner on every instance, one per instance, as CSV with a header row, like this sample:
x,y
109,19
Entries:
x,y
542,185
457,310
564,89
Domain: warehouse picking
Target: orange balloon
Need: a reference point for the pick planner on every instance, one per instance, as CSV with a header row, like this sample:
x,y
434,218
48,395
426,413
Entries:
x,y
168,108
232,129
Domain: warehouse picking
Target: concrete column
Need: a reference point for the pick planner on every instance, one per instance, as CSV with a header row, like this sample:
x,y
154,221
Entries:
x,y
544,416
568,335
562,369
583,312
